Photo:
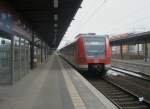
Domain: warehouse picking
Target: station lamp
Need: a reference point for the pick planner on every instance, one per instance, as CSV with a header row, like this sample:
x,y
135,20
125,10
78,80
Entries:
x,y
55,25
55,17
56,3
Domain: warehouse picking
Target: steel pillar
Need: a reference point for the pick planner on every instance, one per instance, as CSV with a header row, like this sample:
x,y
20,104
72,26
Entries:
x,y
145,52
138,49
20,58
12,61
41,51
32,52
121,51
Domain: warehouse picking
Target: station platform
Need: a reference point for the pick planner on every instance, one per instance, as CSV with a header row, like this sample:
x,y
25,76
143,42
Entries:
x,y
53,85
139,66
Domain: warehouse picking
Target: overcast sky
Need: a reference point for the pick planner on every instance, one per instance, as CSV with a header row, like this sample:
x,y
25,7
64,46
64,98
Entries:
x,y
109,17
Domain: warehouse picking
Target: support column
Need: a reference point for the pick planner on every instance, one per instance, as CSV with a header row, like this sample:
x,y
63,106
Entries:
x,y
25,55
12,61
138,49
128,49
32,52
47,52
20,66
41,51
121,51
145,52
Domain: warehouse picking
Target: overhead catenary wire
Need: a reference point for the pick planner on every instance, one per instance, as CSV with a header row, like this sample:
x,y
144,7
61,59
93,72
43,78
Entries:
x,y
85,16
89,10
129,23
90,17
128,16
137,11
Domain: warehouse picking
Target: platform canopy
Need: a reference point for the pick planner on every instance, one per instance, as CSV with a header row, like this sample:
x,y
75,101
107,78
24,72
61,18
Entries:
x,y
48,18
130,39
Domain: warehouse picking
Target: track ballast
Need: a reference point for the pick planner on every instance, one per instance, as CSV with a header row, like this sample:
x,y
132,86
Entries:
x,y
121,98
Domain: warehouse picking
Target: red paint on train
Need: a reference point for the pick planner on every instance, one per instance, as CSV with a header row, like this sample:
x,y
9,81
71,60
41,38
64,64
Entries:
x,y
88,51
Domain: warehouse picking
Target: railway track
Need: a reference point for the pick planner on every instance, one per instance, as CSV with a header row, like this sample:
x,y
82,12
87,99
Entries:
x,y
131,73
121,98
137,84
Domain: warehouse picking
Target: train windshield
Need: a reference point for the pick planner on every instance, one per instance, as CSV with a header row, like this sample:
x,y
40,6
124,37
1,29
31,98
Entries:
x,y
95,47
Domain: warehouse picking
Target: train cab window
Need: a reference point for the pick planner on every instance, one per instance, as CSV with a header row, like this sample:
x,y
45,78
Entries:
x,y
95,46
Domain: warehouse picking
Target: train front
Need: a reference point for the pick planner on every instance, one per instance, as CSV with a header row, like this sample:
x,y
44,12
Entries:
x,y
97,52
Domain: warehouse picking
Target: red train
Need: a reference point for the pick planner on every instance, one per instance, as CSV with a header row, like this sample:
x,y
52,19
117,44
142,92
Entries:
x,y
88,52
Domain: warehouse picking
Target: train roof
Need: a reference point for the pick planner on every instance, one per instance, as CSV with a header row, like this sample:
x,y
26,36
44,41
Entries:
x,y
89,35
84,35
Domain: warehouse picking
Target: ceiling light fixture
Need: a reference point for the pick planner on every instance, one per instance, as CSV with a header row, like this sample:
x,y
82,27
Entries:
x,y
55,17
55,3
55,25
55,30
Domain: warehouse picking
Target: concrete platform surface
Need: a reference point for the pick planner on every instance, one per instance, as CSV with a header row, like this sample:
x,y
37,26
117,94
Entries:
x,y
53,85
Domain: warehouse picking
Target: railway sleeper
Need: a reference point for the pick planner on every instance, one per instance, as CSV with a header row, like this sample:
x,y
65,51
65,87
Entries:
x,y
107,88
115,93
119,96
101,82
124,99
112,91
103,85
130,103
136,107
